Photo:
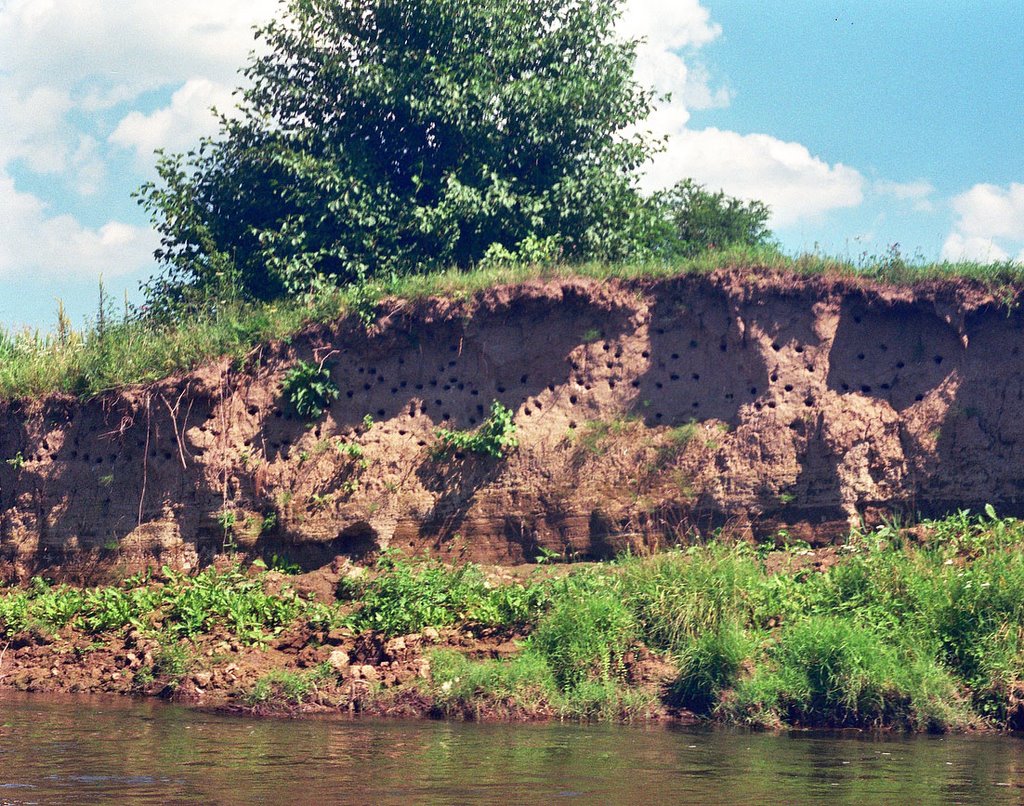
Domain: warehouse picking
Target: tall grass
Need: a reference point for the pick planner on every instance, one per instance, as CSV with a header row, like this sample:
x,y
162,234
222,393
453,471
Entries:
x,y
113,352
927,637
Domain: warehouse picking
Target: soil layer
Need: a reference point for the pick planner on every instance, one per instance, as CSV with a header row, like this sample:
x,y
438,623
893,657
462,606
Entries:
x,y
644,409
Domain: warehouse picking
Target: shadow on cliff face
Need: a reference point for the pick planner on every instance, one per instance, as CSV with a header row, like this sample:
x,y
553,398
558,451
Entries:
x,y
99,469
897,354
451,371
980,443
452,374
701,365
891,359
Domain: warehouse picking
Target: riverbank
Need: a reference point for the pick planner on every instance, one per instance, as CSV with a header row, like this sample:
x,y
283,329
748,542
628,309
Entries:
x,y
915,629
585,416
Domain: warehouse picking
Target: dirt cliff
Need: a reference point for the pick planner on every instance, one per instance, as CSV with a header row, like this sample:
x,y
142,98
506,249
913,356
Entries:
x,y
645,409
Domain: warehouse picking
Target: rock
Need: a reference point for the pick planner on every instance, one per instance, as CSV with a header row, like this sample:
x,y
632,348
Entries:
x,y
339,660
395,646
368,672
202,679
430,635
338,635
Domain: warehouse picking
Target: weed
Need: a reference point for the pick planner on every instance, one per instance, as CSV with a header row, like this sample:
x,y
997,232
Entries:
x,y
136,349
309,389
287,687
17,461
591,437
495,436
353,450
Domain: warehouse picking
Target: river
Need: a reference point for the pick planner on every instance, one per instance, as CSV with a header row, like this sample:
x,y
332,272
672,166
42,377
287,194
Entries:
x,y
110,750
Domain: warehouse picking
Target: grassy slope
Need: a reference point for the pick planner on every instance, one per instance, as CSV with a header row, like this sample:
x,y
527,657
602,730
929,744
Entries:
x,y
93,360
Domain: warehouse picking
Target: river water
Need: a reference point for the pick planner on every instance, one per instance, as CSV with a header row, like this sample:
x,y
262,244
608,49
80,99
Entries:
x,y
106,750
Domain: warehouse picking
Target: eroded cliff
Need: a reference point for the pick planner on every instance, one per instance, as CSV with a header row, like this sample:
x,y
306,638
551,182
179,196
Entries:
x,y
645,409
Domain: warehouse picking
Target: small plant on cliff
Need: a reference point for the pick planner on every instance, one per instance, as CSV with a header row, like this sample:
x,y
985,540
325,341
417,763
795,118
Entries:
x,y
495,436
309,389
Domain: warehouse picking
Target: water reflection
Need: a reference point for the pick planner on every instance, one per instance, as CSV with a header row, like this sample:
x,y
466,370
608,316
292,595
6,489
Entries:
x,y
143,752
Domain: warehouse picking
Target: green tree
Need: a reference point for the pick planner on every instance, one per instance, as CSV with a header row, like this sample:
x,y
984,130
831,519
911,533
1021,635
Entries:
x,y
698,219
387,136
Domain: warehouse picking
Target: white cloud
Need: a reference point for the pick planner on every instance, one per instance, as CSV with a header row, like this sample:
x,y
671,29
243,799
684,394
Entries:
x,y
64,64
785,175
958,247
667,31
32,241
989,225
989,211
178,126
919,192
105,51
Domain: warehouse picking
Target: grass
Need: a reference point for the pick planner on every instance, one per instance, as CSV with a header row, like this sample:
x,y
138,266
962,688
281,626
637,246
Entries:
x,y
916,637
920,630
182,606
286,687
117,352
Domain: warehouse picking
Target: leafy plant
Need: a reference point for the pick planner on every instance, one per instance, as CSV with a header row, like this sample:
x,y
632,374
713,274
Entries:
x,y
309,389
282,202
495,436
700,219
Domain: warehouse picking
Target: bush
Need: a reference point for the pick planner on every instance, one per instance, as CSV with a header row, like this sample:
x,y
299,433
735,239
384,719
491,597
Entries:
x,y
699,220
586,634
828,671
708,665
309,389
495,436
404,598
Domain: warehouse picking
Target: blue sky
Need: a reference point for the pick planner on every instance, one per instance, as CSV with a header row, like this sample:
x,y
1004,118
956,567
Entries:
x,y
862,124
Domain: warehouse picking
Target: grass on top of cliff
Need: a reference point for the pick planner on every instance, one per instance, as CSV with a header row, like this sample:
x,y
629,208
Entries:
x,y
118,350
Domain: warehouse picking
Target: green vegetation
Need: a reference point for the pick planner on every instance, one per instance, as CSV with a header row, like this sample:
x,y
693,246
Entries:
x,y
182,606
495,436
385,138
309,389
404,598
702,220
917,629
140,349
923,637
283,685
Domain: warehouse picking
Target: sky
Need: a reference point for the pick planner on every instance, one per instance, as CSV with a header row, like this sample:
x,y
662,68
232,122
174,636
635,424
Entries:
x,y
861,123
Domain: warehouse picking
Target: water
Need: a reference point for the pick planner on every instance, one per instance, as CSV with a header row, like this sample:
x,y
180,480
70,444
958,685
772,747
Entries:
x,y
102,750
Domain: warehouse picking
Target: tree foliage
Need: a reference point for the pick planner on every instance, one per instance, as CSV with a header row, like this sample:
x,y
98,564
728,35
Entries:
x,y
388,136
698,219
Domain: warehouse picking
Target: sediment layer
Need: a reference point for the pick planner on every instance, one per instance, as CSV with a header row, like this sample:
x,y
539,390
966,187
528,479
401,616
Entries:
x,y
645,410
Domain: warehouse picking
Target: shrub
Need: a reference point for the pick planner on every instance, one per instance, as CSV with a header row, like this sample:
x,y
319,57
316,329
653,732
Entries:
x,y
495,436
309,389
708,664
405,598
586,633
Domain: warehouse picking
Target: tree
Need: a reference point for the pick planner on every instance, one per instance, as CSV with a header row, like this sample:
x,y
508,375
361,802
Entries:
x,y
389,136
699,220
